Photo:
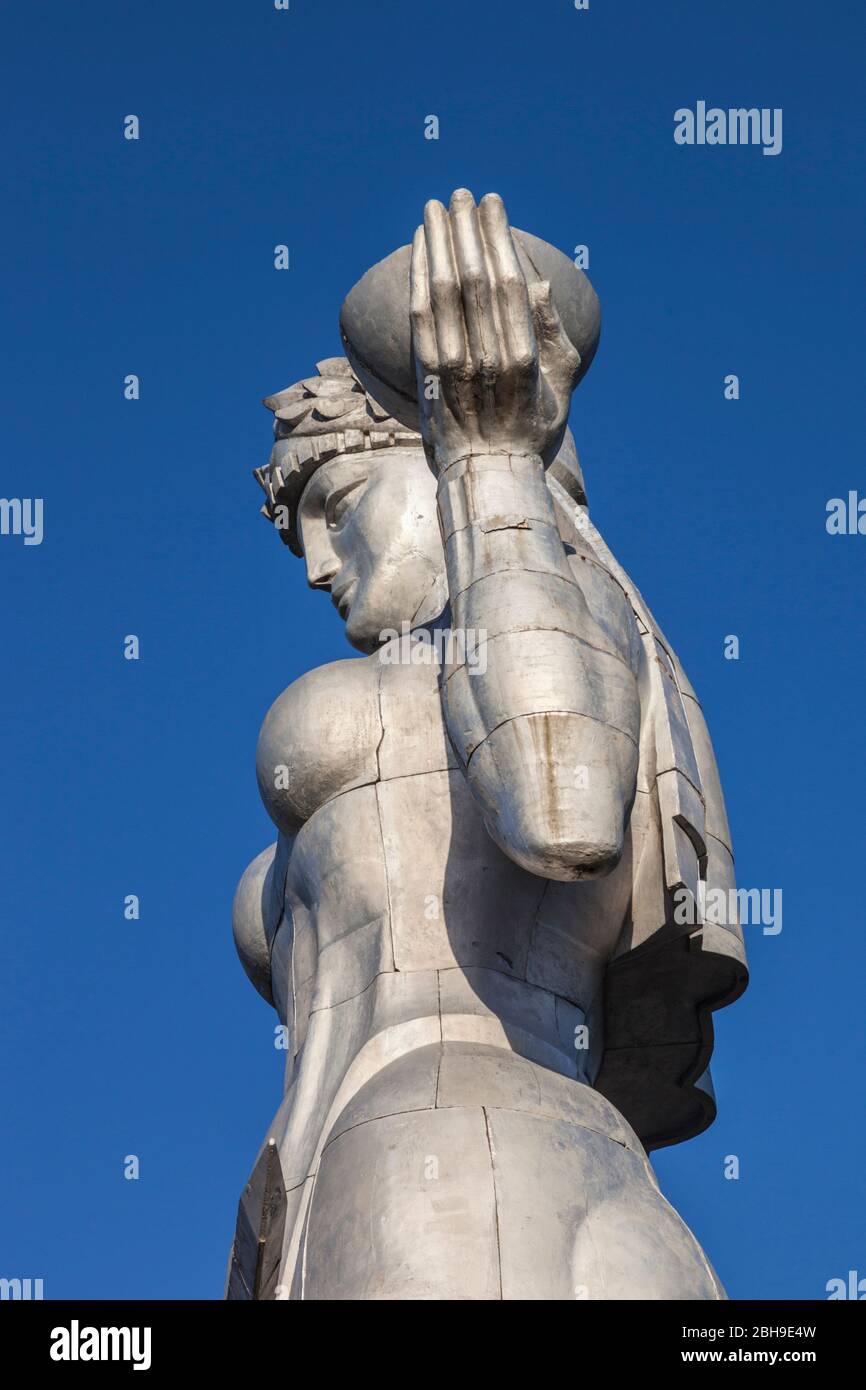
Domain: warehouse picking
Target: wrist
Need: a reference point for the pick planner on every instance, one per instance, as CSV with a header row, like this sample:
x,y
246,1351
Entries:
x,y
480,459
494,491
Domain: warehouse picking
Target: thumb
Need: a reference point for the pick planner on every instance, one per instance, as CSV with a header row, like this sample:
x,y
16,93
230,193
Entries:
x,y
548,324
558,356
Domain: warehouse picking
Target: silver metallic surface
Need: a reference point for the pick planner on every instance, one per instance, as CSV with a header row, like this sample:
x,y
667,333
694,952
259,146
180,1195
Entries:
x,y
467,920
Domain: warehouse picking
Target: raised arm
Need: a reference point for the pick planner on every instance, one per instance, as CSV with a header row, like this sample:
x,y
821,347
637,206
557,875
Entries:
x,y
546,719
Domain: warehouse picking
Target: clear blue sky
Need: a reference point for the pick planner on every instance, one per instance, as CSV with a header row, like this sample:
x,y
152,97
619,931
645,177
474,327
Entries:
x,y
156,258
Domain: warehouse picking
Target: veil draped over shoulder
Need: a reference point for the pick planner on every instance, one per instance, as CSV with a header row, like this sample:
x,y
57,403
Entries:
x,y
671,968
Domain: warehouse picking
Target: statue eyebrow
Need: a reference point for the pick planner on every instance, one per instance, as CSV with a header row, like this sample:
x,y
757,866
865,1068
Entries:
x,y
335,497
316,491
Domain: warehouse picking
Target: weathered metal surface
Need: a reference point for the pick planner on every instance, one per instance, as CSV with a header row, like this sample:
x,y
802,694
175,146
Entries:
x,y
466,924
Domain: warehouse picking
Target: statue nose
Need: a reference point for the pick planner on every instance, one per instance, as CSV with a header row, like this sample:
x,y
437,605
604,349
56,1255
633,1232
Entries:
x,y
322,576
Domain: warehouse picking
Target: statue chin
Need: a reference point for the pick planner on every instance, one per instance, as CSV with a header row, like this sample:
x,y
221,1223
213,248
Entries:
x,y
362,637
362,627
368,631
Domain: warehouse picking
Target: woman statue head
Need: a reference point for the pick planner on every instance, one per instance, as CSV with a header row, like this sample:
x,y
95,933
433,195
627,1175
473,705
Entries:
x,y
349,489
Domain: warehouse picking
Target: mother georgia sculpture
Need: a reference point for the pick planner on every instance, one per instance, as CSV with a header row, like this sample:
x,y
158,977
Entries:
x,y
467,922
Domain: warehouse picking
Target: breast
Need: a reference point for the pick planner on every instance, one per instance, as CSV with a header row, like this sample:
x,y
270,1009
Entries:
x,y
319,739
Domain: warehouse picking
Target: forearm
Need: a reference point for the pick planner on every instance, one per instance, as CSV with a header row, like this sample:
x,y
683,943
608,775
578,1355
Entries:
x,y
543,712
497,516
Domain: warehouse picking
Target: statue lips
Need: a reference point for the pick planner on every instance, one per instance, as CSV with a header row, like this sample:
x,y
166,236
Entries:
x,y
341,597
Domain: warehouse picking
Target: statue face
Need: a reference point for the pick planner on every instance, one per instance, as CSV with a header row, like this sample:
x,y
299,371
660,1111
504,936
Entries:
x,y
370,536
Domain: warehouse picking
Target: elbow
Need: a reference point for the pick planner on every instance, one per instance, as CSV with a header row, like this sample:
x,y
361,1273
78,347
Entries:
x,y
554,847
556,793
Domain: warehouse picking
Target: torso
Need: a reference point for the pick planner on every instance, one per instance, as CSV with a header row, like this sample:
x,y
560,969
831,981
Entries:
x,y
445,1007
392,871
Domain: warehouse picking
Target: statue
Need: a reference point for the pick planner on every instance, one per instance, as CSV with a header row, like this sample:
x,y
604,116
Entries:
x,y
468,924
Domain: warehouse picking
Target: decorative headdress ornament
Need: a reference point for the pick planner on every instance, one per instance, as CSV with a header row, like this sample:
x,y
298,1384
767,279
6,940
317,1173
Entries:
x,y
315,420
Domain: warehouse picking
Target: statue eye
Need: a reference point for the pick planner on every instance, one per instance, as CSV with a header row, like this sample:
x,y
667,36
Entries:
x,y
337,506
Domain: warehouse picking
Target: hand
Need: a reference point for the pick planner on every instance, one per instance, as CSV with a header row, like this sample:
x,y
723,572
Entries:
x,y
488,334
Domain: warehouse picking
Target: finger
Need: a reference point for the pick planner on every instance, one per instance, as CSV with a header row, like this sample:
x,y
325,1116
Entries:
x,y
479,312
444,288
510,282
420,309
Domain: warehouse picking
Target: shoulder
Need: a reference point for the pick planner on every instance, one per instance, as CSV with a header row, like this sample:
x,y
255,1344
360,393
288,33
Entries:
x,y
319,738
